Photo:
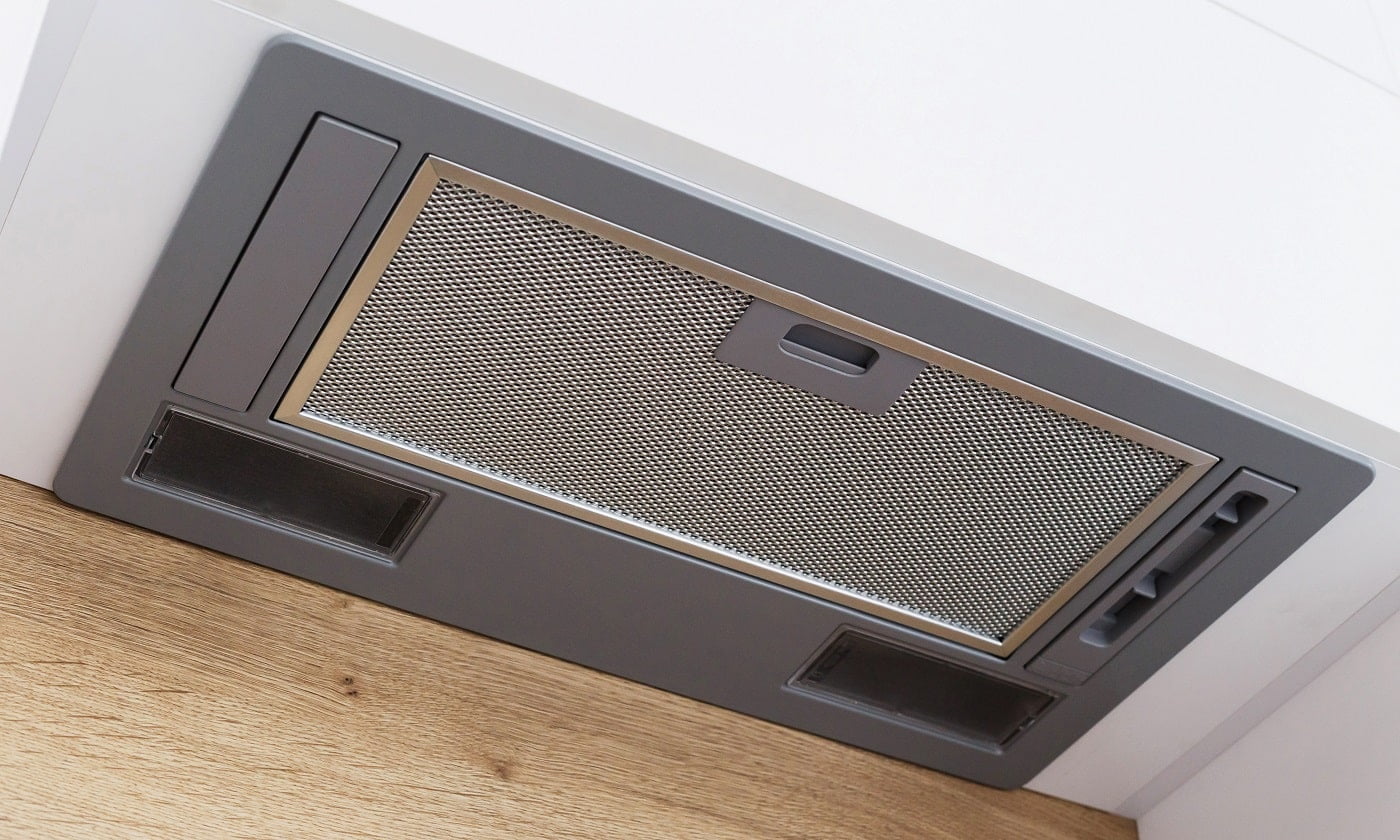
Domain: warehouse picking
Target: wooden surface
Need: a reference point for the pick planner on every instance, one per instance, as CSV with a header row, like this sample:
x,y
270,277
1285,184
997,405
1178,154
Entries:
x,y
150,688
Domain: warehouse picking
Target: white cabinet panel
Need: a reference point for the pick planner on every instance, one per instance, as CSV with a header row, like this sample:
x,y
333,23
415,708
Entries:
x,y
1341,31
1324,765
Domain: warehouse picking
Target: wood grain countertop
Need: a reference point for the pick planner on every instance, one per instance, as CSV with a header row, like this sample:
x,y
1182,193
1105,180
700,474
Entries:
x,y
150,688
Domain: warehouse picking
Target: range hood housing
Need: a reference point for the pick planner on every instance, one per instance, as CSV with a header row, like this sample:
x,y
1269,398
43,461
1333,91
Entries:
x,y
207,426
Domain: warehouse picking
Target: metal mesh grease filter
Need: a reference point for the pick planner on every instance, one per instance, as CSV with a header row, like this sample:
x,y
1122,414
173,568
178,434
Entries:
x,y
524,347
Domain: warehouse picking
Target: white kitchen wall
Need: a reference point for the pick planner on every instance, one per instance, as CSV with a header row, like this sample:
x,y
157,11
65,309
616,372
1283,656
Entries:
x,y
1387,15
19,27
1341,31
1326,765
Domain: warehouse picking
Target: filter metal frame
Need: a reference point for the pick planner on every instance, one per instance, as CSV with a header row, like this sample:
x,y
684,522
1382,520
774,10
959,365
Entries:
x,y
420,189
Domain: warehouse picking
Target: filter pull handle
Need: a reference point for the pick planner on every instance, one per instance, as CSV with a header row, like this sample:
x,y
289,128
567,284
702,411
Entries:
x,y
808,354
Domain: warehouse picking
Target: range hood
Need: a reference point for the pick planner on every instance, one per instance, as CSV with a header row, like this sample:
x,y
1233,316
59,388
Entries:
x,y
415,348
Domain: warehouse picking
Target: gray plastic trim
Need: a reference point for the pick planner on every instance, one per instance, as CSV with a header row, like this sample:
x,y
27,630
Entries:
x,y
281,484
876,677
325,188
1239,508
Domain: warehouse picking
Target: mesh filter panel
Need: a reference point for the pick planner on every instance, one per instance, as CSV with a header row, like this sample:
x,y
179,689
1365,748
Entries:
x,y
528,349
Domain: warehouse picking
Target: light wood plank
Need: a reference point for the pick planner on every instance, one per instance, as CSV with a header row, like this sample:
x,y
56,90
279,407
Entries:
x,y
150,688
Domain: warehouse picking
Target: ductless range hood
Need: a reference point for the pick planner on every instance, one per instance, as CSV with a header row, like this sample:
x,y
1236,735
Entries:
x,y
410,346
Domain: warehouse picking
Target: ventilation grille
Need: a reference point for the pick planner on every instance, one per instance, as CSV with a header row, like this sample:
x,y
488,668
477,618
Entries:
x,y
542,356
